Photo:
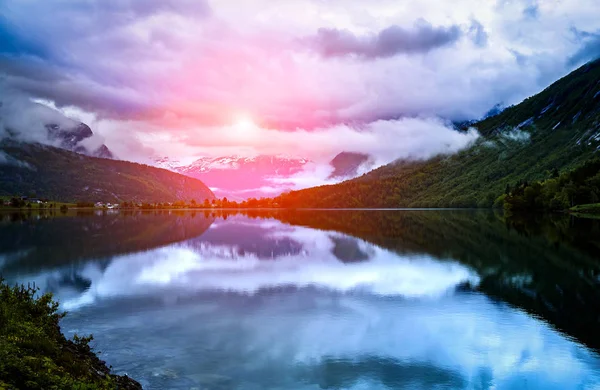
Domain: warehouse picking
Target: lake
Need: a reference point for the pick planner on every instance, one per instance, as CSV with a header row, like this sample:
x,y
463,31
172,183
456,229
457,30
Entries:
x,y
282,299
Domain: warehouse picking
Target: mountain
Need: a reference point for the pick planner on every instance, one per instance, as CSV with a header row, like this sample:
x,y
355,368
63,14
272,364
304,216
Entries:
x,y
71,138
559,128
167,163
63,175
239,177
57,242
348,164
48,126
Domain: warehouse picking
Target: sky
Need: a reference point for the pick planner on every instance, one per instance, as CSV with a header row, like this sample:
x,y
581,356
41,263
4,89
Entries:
x,y
308,78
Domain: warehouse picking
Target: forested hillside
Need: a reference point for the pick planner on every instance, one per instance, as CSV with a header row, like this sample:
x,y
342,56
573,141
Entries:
x,y
557,129
62,175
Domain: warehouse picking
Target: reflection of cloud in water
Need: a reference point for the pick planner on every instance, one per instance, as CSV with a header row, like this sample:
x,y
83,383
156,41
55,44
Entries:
x,y
11,257
338,340
247,236
182,270
163,317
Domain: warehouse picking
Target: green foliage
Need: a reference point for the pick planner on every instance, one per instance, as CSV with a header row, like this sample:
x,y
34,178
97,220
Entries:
x,y
587,208
17,202
34,354
66,176
579,186
558,128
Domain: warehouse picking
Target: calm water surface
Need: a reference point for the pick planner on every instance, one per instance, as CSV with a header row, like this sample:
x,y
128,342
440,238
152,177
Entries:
x,y
323,299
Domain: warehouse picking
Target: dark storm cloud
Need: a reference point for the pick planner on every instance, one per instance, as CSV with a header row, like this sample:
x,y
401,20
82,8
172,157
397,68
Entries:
x,y
389,42
589,49
13,41
83,53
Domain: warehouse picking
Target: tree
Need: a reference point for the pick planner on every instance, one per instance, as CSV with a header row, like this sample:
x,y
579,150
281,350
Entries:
x,y
17,203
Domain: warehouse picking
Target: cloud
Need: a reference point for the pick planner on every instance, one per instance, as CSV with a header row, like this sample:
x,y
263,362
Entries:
x,y
186,68
532,11
478,34
589,49
24,120
6,159
516,135
384,141
387,43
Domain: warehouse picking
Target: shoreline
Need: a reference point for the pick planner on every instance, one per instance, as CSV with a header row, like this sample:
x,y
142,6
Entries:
x,y
36,353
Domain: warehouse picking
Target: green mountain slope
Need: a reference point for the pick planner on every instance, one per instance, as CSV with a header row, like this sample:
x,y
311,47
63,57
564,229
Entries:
x,y
63,175
558,128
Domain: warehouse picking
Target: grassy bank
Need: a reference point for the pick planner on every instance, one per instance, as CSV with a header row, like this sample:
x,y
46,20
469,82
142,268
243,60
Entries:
x,y
34,354
593,208
586,211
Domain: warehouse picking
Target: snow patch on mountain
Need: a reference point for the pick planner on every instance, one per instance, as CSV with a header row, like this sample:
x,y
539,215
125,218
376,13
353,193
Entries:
x,y
167,163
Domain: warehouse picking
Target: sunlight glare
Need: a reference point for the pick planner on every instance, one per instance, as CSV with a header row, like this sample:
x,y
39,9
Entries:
x,y
244,123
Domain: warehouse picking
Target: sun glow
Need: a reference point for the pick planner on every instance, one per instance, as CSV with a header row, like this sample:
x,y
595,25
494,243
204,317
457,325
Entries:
x,y
244,123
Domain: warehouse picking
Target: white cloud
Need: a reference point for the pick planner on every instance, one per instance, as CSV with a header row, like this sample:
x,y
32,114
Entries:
x,y
175,91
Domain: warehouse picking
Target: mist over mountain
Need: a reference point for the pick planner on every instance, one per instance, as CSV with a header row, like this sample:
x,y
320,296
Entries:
x,y
237,177
554,131
347,165
23,120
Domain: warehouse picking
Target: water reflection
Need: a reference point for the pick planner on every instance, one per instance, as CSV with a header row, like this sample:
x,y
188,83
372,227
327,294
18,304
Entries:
x,y
325,300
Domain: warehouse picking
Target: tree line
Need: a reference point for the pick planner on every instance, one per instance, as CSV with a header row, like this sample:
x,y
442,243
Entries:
x,y
559,192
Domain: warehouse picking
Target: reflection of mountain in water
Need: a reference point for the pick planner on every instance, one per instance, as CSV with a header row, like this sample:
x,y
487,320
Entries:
x,y
200,266
38,241
548,265
348,250
339,299
250,237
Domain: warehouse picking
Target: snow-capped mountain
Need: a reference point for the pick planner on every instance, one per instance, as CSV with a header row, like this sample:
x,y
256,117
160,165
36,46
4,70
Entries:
x,y
167,163
238,177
